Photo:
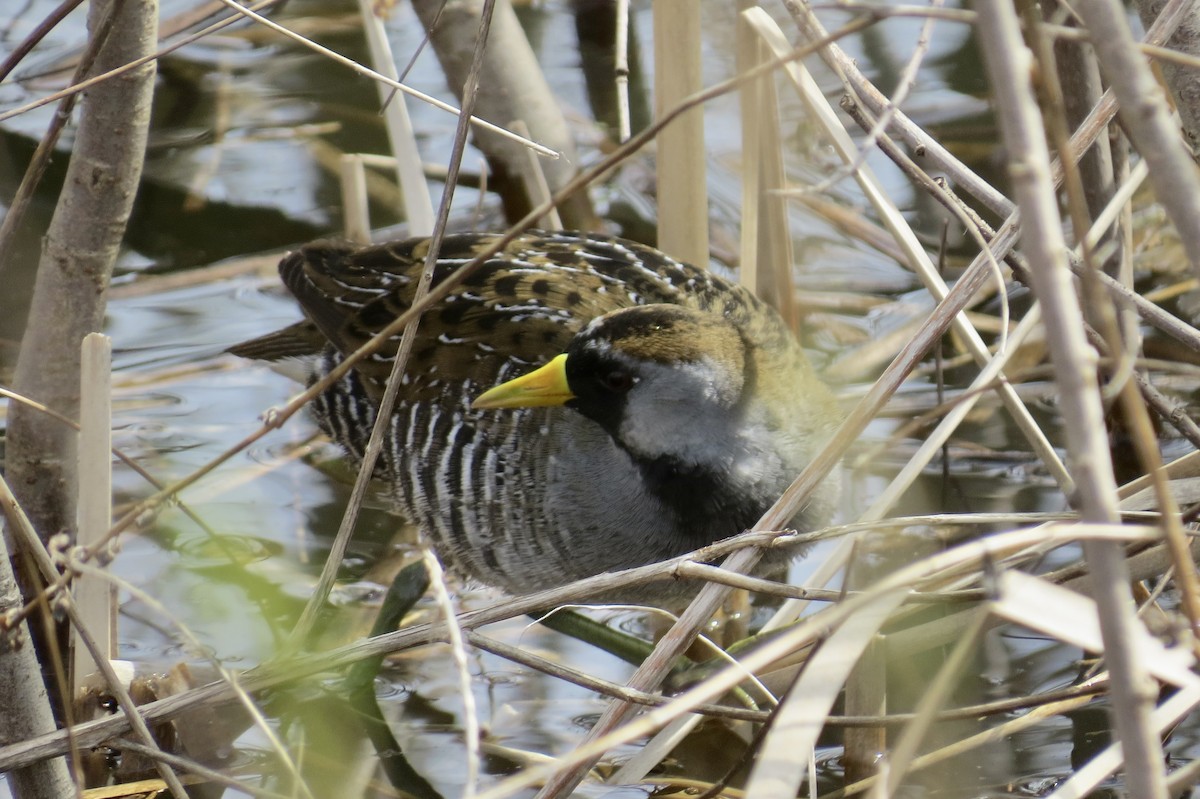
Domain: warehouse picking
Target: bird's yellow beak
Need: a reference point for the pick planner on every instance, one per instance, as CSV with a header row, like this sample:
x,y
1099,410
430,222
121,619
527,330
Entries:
x,y
544,386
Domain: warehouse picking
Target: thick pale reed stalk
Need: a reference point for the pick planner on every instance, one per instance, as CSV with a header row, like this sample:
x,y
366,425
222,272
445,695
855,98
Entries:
x,y
681,158
1009,67
77,260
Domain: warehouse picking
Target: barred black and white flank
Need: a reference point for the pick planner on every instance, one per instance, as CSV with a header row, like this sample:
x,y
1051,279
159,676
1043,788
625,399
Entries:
x,y
682,409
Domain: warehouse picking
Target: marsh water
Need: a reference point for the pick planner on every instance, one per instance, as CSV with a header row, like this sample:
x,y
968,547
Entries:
x,y
239,165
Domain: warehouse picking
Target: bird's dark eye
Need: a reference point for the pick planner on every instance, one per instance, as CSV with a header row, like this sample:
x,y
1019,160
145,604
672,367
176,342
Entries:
x,y
617,382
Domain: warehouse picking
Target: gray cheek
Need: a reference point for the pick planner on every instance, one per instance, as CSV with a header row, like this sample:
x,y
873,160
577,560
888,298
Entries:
x,y
680,428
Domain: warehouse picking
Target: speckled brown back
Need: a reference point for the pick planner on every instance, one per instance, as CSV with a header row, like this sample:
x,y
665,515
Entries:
x,y
524,304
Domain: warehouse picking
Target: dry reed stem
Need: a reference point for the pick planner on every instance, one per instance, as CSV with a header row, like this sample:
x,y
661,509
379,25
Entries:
x,y
27,711
96,598
1181,80
417,208
621,69
352,177
1007,62
917,258
818,625
682,181
229,679
458,654
279,673
1119,338
777,771
1147,120
765,251
900,759
533,179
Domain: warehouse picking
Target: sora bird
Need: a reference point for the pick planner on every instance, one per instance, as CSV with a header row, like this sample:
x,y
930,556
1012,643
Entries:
x,y
666,407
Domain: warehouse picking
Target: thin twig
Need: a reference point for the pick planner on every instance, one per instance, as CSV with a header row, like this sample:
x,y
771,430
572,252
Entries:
x,y
251,11
40,31
76,88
